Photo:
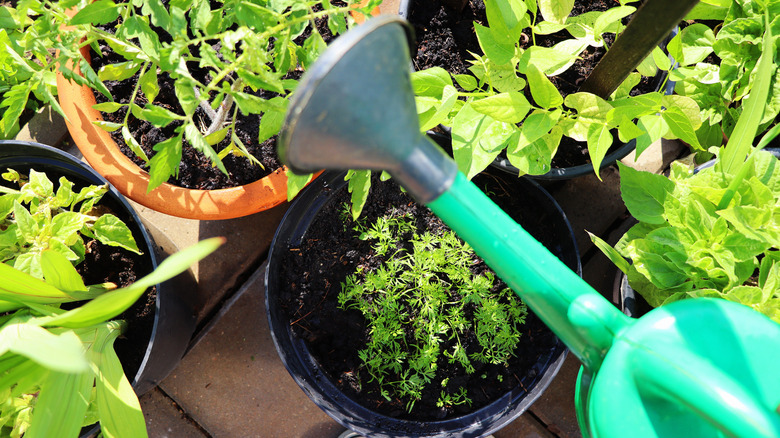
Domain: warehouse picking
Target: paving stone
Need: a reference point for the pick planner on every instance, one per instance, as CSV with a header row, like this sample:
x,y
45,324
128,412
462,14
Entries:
x,y
590,204
248,240
233,383
656,157
165,420
525,426
555,408
46,127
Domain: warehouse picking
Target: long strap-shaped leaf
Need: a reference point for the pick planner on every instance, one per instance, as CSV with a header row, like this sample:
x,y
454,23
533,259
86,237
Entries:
x,y
732,158
650,24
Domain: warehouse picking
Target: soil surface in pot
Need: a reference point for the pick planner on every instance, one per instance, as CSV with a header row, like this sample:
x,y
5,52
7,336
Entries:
x,y
446,36
196,171
313,272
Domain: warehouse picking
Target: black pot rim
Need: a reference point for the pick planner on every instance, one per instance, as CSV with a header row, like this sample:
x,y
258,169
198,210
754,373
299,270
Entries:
x,y
304,370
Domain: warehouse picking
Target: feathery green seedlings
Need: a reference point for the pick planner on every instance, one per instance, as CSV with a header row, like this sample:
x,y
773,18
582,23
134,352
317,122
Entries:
x,y
420,303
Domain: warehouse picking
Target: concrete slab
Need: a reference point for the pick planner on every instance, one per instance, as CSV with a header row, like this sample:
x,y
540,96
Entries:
x,y
657,156
46,127
164,419
233,383
590,204
526,426
555,408
248,240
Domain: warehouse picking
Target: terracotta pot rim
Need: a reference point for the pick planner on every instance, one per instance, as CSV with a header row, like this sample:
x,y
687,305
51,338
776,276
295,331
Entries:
x,y
103,154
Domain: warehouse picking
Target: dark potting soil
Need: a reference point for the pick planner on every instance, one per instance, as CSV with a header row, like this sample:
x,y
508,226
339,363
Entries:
x,y
311,275
196,171
446,36
103,263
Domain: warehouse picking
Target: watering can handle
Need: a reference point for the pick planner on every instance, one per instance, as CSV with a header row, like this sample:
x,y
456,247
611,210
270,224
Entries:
x,y
584,320
705,389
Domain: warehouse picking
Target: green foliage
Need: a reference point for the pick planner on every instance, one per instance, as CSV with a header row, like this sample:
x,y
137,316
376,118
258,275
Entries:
x,y
420,302
36,218
494,114
714,233
719,87
58,370
244,46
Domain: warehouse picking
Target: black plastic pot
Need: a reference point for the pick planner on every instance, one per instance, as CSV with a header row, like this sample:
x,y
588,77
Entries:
x,y
174,320
628,299
317,385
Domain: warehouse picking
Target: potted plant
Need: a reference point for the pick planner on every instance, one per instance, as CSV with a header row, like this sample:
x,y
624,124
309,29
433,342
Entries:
x,y
714,232
532,58
53,352
21,95
717,53
236,59
341,337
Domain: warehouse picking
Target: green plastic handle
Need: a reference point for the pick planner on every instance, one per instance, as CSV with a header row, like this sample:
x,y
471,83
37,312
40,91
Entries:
x,y
584,320
693,382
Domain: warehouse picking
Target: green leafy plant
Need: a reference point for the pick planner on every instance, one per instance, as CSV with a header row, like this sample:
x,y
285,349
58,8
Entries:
x,y
242,46
58,369
714,233
508,102
419,303
36,217
717,61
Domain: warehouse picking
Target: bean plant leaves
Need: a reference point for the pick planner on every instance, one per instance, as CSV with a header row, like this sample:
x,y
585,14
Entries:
x,y
499,51
507,107
555,11
448,99
359,186
469,129
680,125
534,157
599,141
543,91
110,230
430,82
644,194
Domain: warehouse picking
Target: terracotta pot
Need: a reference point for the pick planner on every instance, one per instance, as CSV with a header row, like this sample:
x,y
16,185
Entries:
x,y
103,154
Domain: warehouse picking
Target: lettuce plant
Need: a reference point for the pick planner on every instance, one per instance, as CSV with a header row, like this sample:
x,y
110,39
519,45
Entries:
x,y
508,102
714,233
242,45
716,64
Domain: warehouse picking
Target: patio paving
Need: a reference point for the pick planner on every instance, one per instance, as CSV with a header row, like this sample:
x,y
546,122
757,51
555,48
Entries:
x,y
231,382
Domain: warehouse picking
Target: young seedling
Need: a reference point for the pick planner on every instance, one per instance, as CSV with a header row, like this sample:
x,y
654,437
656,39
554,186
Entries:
x,y
418,304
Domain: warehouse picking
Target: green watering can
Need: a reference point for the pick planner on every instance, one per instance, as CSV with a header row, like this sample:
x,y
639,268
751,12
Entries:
x,y
702,367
